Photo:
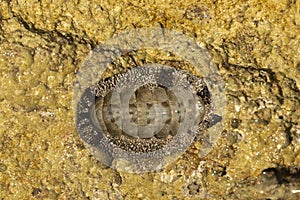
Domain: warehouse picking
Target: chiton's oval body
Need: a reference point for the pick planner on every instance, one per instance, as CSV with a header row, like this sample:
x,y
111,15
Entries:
x,y
144,108
150,112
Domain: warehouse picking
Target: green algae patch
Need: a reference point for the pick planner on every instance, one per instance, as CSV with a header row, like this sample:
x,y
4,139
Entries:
x,y
254,44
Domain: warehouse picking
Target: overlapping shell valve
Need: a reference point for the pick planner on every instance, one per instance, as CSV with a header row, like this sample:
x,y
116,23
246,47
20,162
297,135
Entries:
x,y
145,117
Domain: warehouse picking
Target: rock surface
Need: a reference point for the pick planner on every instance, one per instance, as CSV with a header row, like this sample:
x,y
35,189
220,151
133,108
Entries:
x,y
256,47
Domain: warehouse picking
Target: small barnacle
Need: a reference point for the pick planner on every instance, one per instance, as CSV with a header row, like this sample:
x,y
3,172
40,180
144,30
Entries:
x,y
197,12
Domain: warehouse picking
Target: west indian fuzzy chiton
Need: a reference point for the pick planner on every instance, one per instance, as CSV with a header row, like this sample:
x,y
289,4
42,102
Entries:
x,y
143,118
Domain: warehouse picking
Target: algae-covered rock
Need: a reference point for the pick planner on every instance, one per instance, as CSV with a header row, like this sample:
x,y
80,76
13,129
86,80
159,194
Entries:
x,y
255,45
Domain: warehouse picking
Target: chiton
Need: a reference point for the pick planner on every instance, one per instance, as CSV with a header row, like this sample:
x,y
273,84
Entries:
x,y
145,109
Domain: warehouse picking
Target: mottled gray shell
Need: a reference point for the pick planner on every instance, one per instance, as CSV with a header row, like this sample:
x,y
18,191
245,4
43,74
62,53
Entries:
x,y
153,111
142,113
